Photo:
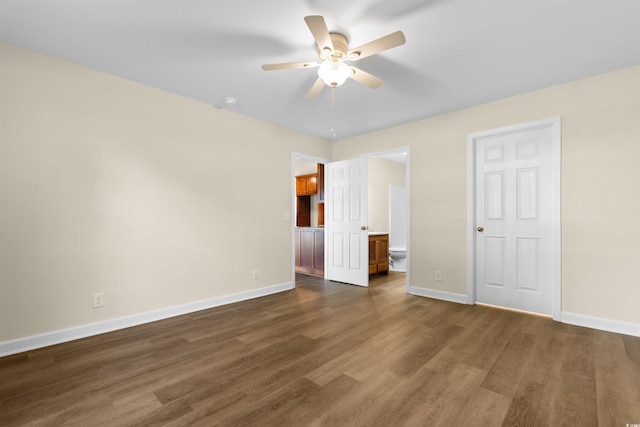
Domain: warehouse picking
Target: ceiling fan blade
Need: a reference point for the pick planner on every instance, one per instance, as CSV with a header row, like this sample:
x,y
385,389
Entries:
x,y
289,66
320,32
383,43
316,88
365,78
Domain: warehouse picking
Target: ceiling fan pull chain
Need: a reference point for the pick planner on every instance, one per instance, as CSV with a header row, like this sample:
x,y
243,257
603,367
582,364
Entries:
x,y
332,116
333,97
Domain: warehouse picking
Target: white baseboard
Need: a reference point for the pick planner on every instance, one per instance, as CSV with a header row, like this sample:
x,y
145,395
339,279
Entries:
x,y
608,325
441,295
616,326
56,337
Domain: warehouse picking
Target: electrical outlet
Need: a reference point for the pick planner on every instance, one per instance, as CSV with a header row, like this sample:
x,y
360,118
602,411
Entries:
x,y
438,275
98,300
256,274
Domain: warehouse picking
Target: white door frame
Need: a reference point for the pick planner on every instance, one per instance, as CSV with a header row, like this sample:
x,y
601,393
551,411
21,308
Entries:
x,y
291,215
407,181
556,234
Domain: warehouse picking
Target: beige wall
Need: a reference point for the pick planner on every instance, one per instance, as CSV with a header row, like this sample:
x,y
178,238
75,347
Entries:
x,y
108,185
154,199
382,173
600,188
304,167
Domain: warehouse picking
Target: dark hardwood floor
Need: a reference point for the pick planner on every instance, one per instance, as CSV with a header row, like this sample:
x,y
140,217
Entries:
x,y
332,354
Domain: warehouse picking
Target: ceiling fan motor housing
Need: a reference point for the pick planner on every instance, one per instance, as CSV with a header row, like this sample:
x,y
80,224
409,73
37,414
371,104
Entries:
x,y
340,47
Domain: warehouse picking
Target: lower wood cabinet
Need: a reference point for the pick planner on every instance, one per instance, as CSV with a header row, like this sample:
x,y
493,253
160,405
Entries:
x,y
379,253
310,251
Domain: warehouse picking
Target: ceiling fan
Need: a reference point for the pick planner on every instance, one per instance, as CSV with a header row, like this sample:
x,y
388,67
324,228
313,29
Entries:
x,y
333,51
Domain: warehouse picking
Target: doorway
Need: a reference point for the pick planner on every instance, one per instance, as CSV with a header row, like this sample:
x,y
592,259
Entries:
x,y
389,205
397,158
514,217
308,244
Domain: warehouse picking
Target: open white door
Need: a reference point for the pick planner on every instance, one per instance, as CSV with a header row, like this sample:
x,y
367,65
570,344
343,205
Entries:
x,y
346,221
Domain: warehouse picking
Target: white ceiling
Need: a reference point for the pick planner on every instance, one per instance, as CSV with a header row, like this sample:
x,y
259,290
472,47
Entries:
x,y
459,53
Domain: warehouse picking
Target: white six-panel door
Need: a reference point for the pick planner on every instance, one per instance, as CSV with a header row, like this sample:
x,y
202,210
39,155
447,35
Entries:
x,y
346,221
514,219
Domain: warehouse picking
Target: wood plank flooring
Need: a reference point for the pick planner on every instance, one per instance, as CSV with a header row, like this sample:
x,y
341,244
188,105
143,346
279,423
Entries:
x,y
328,354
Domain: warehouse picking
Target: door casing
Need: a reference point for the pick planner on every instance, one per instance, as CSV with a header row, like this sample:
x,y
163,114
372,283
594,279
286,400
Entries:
x,y
556,269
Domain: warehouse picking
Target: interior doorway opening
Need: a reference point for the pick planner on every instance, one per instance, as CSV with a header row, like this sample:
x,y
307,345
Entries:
x,y
388,214
389,206
308,218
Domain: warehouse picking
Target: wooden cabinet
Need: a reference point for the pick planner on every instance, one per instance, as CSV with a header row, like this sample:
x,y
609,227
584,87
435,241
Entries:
x,y
310,251
320,195
306,185
320,214
379,254
303,211
320,183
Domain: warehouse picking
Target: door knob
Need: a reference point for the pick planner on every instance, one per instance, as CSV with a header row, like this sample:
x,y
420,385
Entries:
x,y
480,229
364,227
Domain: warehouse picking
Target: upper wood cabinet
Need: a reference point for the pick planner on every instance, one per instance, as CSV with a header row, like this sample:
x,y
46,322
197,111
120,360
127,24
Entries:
x,y
306,185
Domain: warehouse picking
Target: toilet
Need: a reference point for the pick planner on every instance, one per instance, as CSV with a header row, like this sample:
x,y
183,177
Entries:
x,y
398,258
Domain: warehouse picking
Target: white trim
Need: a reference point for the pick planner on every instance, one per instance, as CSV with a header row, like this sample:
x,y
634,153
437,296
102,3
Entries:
x,y
407,180
556,239
471,224
440,295
616,326
63,335
556,216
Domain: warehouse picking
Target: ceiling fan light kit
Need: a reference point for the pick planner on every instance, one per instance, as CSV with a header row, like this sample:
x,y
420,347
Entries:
x,y
334,73
333,50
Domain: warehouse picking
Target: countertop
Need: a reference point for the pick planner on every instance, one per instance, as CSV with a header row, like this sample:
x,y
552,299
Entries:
x,y
371,233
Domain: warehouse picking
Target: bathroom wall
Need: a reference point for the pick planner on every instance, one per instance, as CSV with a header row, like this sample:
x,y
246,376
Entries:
x,y
398,215
382,173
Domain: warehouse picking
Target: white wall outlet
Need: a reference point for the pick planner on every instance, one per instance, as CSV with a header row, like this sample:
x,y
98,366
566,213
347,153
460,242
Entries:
x,y
286,216
256,274
462,214
98,300
438,275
